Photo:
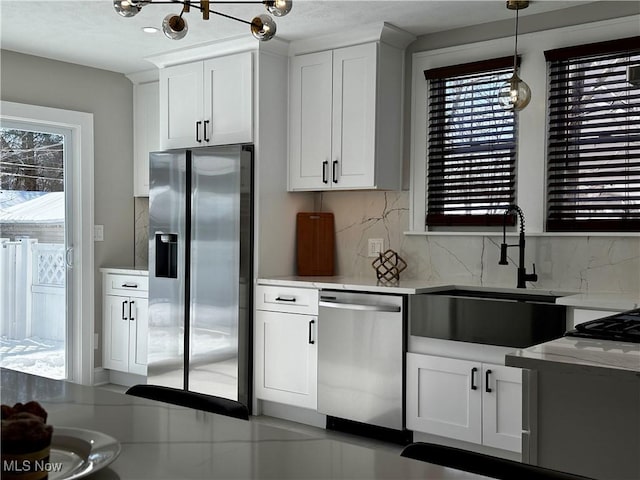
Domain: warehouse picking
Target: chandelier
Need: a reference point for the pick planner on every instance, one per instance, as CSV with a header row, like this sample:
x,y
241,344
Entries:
x,y
515,94
175,26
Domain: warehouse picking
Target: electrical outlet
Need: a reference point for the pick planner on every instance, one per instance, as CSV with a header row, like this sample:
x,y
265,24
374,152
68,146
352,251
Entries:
x,y
376,247
98,233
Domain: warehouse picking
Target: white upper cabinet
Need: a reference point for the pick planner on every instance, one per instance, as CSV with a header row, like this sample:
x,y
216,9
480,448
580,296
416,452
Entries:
x,y
345,116
353,146
310,121
207,102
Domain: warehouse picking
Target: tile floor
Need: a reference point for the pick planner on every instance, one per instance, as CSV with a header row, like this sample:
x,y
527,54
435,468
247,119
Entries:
x,y
302,428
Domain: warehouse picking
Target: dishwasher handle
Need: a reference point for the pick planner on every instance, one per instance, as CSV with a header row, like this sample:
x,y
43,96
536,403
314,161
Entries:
x,y
359,306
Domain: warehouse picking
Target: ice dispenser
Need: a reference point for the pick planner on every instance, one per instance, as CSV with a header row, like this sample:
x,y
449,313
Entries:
x,y
167,255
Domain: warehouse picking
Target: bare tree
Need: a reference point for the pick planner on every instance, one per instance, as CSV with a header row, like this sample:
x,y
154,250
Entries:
x,y
31,161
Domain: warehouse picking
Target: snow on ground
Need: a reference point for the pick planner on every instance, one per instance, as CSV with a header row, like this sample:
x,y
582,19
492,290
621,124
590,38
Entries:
x,y
33,355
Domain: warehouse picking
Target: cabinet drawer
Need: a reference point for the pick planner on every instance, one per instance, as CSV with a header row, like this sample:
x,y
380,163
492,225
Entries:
x,y
287,299
130,285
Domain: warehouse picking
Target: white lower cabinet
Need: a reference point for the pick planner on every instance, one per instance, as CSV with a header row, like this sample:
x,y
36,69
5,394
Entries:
x,y
125,323
465,400
286,356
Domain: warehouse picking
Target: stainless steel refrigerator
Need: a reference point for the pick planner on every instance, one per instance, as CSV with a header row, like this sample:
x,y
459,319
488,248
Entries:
x,y
200,270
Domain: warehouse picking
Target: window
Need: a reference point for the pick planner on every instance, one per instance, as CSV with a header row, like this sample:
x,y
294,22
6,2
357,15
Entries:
x,y
593,148
471,172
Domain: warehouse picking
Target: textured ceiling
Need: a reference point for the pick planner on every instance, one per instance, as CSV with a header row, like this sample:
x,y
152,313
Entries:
x,y
89,32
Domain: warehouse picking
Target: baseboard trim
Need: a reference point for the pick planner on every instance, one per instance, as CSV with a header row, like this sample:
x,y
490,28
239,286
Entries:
x,y
293,414
100,376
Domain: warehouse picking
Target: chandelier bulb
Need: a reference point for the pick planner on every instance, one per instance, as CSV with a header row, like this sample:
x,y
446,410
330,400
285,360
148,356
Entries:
x,y
174,27
126,8
278,8
263,27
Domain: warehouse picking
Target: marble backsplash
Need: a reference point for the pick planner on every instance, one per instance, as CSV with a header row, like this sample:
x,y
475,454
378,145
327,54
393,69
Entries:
x,y
141,229
582,263
576,263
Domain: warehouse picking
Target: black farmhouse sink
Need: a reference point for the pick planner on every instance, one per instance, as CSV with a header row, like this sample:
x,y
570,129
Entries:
x,y
491,318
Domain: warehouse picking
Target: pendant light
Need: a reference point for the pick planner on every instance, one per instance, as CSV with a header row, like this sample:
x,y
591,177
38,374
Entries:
x,y
515,94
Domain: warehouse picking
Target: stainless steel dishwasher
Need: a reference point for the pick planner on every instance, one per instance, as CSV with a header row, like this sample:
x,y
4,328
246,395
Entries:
x,y
360,358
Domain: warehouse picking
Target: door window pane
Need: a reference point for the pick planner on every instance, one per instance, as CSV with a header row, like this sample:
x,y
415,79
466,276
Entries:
x,y
32,255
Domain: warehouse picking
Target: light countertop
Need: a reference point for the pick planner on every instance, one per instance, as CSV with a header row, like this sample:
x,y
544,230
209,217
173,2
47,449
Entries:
x,y
597,300
580,355
606,301
125,270
371,284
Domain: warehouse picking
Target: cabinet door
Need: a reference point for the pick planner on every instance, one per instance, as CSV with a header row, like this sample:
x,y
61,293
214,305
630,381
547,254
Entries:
x,y
146,128
116,333
138,323
310,122
181,106
354,116
502,407
444,397
286,358
228,99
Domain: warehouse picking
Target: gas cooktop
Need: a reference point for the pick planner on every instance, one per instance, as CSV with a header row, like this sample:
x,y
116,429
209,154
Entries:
x,y
622,327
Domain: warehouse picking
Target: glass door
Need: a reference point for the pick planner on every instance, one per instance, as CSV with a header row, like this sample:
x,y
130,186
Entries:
x,y
35,258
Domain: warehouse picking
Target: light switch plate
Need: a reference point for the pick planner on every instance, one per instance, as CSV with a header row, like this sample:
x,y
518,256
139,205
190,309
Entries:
x,y
376,247
98,233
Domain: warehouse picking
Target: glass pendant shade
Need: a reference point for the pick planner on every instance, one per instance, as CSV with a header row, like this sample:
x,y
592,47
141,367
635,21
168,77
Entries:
x,y
125,8
279,8
174,26
514,94
263,27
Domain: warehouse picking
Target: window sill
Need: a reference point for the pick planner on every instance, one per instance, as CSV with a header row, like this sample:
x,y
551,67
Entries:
x,y
515,234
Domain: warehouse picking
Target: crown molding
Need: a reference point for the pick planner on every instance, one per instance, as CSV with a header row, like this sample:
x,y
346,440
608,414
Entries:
x,y
218,48
374,32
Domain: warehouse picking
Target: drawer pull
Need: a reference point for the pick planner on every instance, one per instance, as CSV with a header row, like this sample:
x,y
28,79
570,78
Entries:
x,y
130,314
285,299
486,382
129,285
124,305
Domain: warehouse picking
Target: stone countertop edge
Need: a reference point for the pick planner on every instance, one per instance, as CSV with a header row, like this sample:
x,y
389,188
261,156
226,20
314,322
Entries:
x,y
579,356
411,287
125,270
604,301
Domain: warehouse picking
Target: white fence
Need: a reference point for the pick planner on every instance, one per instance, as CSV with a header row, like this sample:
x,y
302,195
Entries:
x,y
32,289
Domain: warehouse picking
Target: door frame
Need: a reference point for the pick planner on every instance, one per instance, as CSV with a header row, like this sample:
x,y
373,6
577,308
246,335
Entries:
x,y
83,285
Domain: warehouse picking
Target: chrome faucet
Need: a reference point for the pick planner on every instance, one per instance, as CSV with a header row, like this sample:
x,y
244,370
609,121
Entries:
x,y
523,276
